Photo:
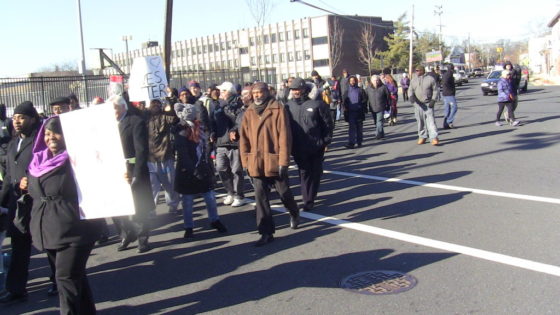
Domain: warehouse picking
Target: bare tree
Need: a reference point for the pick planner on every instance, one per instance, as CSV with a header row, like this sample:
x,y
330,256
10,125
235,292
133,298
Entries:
x,y
335,42
366,50
260,11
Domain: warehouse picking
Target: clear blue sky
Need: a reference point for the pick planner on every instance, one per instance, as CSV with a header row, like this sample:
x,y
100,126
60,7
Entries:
x,y
38,33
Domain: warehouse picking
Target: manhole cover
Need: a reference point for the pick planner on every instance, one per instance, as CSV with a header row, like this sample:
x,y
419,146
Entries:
x,y
378,282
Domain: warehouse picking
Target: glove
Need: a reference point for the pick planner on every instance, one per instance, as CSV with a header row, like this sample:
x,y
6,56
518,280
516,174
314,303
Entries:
x,y
283,171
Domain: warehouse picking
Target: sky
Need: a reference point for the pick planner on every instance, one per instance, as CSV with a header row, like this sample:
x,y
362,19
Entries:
x,y
39,33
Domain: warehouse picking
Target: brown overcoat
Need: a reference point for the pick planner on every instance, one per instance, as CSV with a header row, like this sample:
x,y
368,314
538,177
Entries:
x,y
265,141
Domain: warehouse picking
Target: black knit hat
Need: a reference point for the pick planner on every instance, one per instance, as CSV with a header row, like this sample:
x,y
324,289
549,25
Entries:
x,y
26,108
63,100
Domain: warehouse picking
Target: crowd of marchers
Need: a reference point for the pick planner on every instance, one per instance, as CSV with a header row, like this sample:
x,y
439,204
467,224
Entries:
x,y
188,145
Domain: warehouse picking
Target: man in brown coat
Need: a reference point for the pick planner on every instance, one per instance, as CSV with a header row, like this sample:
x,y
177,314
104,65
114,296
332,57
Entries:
x,y
265,144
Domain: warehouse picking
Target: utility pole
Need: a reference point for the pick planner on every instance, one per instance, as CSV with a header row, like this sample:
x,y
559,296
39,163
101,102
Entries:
x,y
82,66
167,38
126,38
411,43
439,11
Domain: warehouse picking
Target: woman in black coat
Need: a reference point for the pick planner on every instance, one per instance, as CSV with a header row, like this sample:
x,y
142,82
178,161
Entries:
x,y
56,225
193,174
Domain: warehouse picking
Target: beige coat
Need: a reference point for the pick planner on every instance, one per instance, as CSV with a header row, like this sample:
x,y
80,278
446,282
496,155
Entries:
x,y
265,141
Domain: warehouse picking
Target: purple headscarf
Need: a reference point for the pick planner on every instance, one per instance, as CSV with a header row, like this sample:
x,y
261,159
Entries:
x,y
43,161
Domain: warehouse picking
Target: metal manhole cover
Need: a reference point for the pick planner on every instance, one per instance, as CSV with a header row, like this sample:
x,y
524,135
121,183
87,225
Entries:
x,y
378,282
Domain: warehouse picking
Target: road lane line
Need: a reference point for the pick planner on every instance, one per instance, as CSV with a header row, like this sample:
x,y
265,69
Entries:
x,y
449,247
449,187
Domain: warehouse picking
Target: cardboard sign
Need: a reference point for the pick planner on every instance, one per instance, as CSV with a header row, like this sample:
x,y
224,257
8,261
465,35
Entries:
x,y
94,145
147,80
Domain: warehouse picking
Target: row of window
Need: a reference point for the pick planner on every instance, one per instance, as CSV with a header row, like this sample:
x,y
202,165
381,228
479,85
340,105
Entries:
x,y
203,49
281,57
280,37
218,65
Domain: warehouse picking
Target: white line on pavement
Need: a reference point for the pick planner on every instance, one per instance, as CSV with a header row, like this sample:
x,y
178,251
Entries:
x,y
450,247
449,187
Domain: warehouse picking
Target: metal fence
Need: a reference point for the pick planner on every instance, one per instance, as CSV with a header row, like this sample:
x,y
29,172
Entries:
x,y
205,77
42,90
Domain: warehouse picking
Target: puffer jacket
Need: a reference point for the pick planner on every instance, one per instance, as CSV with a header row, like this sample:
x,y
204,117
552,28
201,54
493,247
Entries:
x,y
504,91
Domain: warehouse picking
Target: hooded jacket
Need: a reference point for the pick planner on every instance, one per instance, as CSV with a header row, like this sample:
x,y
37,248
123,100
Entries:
x,y
310,122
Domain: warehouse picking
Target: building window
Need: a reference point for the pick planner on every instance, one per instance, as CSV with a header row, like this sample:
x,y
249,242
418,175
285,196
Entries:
x,y
265,39
236,63
253,61
267,59
319,40
243,50
320,63
282,57
228,44
210,48
222,46
290,56
288,35
296,34
281,36
273,38
306,54
251,41
298,55
305,33
274,58
204,48
229,64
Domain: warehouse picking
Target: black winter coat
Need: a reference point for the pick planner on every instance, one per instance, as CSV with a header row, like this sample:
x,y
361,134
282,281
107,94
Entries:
x,y
55,218
223,120
17,163
448,84
311,125
134,138
379,99
185,181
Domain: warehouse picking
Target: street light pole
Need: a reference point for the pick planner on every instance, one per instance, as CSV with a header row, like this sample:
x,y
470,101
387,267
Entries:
x,y
82,67
126,38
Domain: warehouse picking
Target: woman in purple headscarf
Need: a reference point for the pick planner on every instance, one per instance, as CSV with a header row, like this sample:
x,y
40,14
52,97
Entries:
x,y
56,224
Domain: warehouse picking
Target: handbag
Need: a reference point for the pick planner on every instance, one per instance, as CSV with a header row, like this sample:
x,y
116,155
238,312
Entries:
x,y
23,213
202,170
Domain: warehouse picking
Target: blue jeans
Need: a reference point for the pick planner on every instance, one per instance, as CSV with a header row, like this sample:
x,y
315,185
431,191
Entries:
x,y
211,207
449,109
163,174
378,119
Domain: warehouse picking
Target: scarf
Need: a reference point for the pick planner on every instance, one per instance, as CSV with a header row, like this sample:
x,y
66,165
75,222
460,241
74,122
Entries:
x,y
43,161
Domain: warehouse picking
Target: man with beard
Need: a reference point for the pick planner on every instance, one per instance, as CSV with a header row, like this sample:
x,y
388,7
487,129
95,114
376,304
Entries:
x,y
265,144
312,128
26,124
134,139
161,160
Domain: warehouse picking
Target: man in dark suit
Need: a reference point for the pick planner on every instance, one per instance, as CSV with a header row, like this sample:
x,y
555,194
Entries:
x,y
26,123
134,138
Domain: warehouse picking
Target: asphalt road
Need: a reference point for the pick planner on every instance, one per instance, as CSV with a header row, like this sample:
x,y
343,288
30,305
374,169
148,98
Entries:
x,y
477,221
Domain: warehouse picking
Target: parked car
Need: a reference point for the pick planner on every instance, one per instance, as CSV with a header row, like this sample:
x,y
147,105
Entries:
x,y
458,76
477,72
490,85
464,75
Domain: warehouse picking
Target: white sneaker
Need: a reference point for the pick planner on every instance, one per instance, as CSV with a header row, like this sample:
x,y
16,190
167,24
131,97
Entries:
x,y
238,202
228,200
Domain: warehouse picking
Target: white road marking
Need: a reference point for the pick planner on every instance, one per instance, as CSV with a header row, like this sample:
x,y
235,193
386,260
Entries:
x,y
450,187
450,247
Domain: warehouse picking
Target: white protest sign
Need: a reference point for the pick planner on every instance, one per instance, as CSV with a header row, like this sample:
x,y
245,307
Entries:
x,y
147,79
94,145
